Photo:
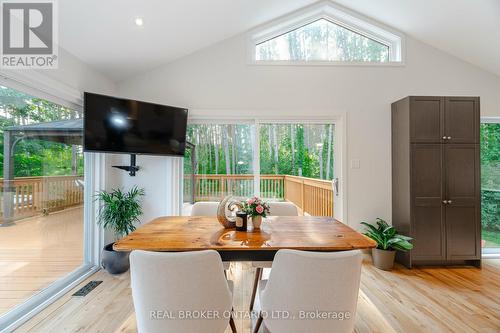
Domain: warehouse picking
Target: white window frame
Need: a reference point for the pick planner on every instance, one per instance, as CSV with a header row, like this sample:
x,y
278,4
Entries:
x,y
197,116
38,85
338,15
489,252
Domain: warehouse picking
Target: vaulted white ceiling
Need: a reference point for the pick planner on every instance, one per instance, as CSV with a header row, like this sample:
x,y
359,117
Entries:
x,y
103,33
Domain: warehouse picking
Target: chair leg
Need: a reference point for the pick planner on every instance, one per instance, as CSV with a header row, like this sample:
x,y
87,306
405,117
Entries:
x,y
258,276
231,323
257,325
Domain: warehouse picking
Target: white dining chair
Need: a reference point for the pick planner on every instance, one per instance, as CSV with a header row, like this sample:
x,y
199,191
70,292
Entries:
x,y
302,283
281,208
167,285
204,208
208,208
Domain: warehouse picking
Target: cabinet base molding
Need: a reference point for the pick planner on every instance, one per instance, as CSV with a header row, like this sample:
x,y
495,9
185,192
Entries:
x,y
440,263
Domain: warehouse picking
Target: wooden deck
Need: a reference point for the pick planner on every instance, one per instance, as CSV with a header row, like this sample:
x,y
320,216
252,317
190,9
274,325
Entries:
x,y
36,251
458,299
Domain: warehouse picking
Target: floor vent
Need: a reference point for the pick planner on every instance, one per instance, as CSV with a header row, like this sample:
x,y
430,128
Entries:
x,y
87,288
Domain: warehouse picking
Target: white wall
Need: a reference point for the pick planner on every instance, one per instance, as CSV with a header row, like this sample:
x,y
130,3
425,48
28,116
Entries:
x,y
64,85
79,75
219,81
157,175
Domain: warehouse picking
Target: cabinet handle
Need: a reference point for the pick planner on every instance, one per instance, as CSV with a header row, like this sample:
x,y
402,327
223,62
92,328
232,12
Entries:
x,y
444,137
449,201
445,202
449,138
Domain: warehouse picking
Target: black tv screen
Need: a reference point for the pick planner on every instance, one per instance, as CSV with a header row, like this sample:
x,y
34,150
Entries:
x,y
118,125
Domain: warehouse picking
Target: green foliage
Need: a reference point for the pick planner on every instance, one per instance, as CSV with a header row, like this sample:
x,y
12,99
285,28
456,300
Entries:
x,y
387,237
32,157
118,210
490,210
492,238
490,177
490,156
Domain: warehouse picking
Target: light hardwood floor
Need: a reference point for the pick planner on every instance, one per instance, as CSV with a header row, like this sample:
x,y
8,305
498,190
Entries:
x,y
36,251
428,299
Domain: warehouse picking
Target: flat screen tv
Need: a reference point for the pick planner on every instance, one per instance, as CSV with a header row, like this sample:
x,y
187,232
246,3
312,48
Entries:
x,y
118,125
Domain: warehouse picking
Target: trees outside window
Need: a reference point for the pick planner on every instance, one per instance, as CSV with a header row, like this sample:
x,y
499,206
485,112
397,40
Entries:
x,y
297,149
490,184
224,158
322,40
33,157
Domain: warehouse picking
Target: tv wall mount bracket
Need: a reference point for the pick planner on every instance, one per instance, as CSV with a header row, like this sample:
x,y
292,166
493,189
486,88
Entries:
x,y
132,168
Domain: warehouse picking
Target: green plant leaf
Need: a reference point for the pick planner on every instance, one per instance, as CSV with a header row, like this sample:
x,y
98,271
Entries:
x,y
118,210
386,236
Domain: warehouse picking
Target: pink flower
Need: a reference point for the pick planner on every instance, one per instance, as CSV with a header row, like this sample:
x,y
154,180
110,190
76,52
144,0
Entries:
x,y
250,201
259,209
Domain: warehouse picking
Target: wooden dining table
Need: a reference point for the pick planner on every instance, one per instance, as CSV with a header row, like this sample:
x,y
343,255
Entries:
x,y
194,233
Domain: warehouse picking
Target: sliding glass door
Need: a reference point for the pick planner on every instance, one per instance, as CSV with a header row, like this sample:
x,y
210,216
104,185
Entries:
x,y
296,165
41,224
279,161
490,186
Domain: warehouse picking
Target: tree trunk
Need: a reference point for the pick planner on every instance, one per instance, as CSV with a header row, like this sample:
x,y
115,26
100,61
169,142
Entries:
x,y
233,146
276,144
197,151
216,148
225,139
208,142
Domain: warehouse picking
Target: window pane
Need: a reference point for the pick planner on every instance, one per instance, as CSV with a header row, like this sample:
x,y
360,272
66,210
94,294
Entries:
x,y
223,161
296,165
490,185
41,238
297,149
322,40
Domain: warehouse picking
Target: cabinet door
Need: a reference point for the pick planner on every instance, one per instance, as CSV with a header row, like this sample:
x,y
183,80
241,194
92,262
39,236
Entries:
x,y
461,123
426,119
462,213
427,207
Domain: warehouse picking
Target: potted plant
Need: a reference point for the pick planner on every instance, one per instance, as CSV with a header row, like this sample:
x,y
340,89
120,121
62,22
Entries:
x,y
388,241
118,211
257,209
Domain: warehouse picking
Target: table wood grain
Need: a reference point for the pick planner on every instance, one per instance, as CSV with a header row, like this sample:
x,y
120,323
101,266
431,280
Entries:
x,y
191,233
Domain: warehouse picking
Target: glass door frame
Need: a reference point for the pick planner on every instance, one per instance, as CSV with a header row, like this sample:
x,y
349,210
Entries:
x,y
492,253
94,179
339,144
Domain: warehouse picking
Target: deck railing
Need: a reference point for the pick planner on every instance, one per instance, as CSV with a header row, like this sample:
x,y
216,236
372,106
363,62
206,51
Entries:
x,y
312,196
34,195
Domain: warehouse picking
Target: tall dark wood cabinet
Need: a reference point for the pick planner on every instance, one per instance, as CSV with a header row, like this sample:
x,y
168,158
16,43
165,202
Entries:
x,y
436,179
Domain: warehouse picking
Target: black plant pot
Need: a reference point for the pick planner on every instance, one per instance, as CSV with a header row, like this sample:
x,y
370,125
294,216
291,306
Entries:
x,y
113,261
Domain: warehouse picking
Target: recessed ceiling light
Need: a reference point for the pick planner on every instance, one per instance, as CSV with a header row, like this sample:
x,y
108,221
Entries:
x,y
139,21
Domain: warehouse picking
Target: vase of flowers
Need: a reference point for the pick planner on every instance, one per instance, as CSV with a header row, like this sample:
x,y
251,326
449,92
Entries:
x,y
257,209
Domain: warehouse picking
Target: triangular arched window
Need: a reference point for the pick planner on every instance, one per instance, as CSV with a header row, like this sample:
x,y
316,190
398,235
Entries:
x,y
325,33
322,40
